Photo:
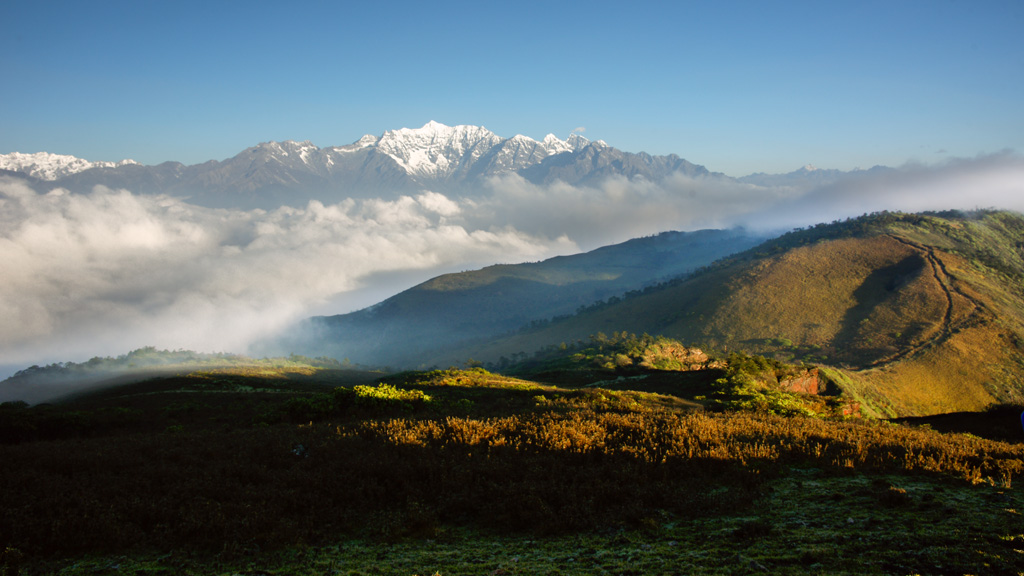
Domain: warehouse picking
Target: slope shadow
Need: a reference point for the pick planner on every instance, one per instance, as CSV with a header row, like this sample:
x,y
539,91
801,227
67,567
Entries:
x,y
879,287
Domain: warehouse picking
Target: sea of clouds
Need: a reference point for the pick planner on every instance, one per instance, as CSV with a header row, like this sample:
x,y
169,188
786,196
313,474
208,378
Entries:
x,y
103,273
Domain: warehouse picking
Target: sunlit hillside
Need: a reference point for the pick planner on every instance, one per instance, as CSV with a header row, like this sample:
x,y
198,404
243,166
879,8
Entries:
x,y
918,314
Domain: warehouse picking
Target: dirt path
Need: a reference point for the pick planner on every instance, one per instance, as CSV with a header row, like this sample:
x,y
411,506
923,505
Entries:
x,y
949,324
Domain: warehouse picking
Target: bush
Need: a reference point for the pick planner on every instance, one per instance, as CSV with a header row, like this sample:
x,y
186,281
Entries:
x,y
386,395
341,399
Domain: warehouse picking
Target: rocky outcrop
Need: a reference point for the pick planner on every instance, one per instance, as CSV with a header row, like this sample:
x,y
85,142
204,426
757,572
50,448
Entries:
x,y
808,381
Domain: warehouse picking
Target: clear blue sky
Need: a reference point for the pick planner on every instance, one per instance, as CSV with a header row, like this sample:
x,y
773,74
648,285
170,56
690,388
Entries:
x,y
736,86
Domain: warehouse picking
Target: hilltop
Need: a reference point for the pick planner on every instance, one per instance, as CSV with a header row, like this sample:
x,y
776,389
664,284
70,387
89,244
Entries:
x,y
914,313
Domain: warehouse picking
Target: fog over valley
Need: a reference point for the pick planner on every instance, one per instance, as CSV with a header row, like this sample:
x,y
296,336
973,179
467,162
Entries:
x,y
109,270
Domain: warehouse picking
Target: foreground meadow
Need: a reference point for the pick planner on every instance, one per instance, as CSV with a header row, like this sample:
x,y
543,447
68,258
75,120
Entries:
x,y
467,472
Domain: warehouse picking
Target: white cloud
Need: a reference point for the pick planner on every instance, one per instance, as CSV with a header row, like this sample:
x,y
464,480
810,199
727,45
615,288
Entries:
x,y
619,208
106,272
995,181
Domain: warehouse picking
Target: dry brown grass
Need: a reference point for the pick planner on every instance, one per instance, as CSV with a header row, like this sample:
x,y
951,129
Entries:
x,y
963,373
562,462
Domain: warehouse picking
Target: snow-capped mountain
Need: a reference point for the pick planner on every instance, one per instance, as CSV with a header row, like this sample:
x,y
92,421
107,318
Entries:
x,y
46,166
435,156
438,151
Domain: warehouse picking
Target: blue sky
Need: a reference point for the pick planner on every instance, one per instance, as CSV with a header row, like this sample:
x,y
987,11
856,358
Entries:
x,y
738,87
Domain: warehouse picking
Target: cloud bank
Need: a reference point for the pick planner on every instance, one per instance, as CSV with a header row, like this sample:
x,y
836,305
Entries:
x,y
106,272
619,209
994,181
110,271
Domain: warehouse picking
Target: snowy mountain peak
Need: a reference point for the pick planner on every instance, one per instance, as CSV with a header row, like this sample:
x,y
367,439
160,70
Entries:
x,y
46,166
434,156
577,142
437,127
365,141
436,150
287,145
440,151
554,145
436,131
288,149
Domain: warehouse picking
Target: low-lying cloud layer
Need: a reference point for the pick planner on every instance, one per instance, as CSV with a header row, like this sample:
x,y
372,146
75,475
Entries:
x,y
619,209
995,181
106,272
110,271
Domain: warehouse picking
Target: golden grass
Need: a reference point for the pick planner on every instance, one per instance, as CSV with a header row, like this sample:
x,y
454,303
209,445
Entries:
x,y
928,309
801,294
554,461
220,475
955,376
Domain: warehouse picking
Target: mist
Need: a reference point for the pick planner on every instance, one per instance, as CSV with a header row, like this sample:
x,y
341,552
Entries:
x,y
991,181
107,272
619,209
110,271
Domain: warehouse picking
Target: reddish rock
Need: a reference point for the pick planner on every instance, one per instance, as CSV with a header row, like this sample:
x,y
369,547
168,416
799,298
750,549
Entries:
x,y
807,382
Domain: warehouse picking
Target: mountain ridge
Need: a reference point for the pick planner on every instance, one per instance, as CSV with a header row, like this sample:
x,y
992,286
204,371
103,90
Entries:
x,y
273,173
48,166
916,314
415,326
449,159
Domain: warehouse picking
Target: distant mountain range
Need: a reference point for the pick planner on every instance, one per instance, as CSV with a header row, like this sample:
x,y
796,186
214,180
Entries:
x,y
437,157
46,166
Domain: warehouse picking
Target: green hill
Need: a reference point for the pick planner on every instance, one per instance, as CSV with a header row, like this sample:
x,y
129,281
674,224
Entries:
x,y
413,328
914,313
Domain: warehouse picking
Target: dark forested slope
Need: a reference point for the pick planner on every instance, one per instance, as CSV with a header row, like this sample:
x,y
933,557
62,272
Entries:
x,y
426,322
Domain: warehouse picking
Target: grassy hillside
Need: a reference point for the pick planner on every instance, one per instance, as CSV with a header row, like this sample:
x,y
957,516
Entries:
x,y
313,470
917,314
415,327
62,379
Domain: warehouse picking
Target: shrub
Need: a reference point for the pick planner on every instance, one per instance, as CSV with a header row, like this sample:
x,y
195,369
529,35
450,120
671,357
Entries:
x,y
386,395
374,398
